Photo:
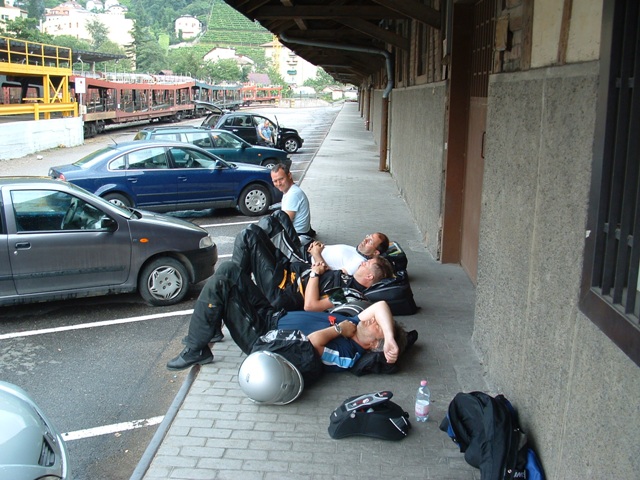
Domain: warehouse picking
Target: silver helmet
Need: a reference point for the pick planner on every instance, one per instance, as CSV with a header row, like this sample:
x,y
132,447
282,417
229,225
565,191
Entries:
x,y
269,378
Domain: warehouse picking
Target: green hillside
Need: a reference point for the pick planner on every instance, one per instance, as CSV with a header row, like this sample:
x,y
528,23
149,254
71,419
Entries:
x,y
227,27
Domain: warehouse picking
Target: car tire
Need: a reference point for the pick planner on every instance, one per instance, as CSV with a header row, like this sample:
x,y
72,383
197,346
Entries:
x,y
291,144
163,282
254,200
118,199
270,162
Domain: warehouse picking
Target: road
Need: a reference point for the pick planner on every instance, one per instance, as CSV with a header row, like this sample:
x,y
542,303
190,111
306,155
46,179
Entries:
x,y
97,365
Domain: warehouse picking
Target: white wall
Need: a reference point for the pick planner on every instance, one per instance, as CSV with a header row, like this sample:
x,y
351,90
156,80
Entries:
x,y
23,138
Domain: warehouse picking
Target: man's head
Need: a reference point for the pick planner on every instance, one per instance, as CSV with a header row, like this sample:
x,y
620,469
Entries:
x,y
372,271
371,337
267,123
281,177
374,244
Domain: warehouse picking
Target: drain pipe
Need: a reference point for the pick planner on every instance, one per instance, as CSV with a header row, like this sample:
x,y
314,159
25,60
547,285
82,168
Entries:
x,y
385,94
337,46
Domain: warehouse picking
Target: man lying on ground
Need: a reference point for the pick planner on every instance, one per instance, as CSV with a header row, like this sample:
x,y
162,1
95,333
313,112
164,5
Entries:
x,y
347,257
296,285
230,295
343,257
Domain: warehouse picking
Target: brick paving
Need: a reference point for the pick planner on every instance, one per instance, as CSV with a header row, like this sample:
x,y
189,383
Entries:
x,y
218,433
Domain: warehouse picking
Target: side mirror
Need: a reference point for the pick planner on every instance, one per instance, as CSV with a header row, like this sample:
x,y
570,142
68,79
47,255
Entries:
x,y
244,146
108,223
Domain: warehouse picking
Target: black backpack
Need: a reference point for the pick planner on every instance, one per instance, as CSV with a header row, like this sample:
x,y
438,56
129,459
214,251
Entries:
x,y
487,431
396,256
396,291
370,415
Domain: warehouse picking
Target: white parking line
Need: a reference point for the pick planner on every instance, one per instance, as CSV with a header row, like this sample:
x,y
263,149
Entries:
x,y
104,323
115,428
226,224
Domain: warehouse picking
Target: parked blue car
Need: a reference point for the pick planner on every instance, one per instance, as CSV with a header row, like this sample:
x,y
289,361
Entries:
x,y
224,144
165,176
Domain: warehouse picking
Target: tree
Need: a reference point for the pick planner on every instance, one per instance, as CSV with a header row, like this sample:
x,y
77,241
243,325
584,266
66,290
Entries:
x,y
149,56
99,33
322,80
225,69
25,29
35,9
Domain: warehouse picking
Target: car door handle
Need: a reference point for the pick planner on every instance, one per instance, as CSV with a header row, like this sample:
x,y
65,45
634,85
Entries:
x,y
182,178
132,179
23,246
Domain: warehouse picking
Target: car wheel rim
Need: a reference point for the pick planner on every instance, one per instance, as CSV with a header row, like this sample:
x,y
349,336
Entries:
x,y
165,283
255,200
117,202
290,145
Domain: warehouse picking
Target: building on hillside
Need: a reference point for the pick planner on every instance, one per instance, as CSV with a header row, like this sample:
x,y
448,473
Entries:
x,y
227,54
293,69
70,18
187,25
10,12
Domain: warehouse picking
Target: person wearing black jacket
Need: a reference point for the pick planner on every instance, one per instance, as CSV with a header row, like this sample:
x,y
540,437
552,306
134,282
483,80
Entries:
x,y
230,295
297,285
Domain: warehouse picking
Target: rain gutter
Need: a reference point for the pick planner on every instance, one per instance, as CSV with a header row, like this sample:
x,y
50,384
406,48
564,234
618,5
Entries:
x,y
352,48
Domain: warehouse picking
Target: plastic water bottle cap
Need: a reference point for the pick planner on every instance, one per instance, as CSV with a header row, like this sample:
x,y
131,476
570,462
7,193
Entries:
x,y
423,383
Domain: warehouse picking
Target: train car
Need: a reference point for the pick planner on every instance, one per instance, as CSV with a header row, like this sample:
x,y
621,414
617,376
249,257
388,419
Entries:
x,y
225,97
255,94
111,99
17,90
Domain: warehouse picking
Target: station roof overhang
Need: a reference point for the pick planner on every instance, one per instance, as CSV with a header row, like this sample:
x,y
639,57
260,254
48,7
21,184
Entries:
x,y
349,39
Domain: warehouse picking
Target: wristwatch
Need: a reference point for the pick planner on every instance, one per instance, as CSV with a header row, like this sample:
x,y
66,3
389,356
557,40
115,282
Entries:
x,y
313,275
338,328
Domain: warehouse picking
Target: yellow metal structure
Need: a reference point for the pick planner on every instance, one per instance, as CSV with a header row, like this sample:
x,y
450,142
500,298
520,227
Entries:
x,y
45,67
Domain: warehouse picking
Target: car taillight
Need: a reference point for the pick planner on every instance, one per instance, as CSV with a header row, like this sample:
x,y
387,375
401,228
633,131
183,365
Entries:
x,y
61,176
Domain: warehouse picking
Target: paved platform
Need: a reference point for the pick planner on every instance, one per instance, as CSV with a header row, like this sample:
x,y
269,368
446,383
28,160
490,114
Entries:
x,y
216,432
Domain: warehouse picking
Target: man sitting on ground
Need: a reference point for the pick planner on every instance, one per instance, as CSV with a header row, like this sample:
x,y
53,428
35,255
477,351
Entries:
x,y
296,285
230,295
294,202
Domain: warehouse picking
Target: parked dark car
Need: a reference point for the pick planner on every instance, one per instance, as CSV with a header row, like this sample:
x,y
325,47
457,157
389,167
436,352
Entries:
x,y
31,446
169,176
245,125
58,241
224,144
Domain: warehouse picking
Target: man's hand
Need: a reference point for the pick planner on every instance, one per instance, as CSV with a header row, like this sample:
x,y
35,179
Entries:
x,y
315,248
319,267
391,350
348,328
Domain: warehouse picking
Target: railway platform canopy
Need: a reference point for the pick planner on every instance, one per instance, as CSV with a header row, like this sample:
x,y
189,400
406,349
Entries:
x,y
35,79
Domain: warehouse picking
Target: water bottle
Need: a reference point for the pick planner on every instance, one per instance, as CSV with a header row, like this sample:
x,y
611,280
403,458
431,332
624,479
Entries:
x,y
423,402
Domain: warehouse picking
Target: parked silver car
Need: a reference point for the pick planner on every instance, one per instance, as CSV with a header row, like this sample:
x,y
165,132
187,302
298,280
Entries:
x,y
30,446
58,241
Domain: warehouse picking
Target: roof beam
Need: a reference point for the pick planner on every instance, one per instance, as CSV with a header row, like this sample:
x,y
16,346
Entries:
x,y
326,12
414,9
385,36
299,21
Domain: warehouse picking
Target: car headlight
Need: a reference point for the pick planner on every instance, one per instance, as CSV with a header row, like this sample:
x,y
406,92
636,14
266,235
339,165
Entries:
x,y
206,242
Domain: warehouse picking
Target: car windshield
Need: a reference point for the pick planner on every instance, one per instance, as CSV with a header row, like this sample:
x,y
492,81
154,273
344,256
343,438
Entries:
x,y
93,158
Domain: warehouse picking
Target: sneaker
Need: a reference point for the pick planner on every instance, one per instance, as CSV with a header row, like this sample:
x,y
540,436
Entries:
x,y
189,357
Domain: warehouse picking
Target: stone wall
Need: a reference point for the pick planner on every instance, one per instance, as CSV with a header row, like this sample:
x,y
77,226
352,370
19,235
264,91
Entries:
x,y
575,390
